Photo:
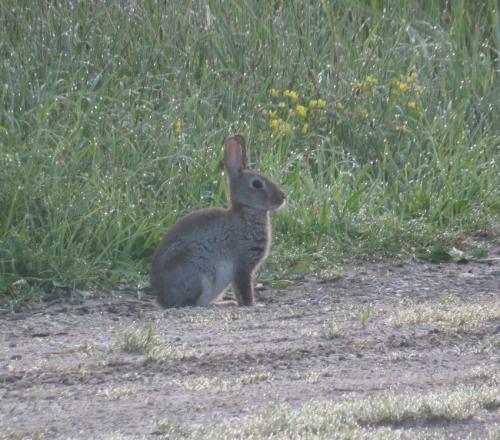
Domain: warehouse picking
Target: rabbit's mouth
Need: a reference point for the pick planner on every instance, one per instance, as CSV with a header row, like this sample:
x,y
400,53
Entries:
x,y
278,201
278,206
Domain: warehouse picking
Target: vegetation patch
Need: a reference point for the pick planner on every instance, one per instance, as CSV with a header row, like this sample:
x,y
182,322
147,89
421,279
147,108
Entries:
x,y
145,341
379,120
448,313
115,393
221,384
387,416
489,344
333,330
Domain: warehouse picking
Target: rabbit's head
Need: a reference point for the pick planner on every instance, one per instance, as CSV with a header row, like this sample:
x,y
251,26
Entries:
x,y
249,188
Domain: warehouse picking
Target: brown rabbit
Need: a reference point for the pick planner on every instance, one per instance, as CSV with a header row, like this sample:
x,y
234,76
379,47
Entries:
x,y
208,249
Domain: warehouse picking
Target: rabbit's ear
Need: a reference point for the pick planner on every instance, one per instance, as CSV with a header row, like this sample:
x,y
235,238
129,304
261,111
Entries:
x,y
235,155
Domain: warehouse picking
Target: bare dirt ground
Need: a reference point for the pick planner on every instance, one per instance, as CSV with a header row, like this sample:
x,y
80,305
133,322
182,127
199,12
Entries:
x,y
406,327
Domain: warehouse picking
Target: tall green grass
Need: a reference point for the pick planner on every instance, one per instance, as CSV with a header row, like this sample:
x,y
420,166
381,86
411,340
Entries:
x,y
113,116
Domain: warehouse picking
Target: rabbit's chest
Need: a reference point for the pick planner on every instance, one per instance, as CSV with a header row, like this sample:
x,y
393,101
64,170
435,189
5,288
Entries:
x,y
256,247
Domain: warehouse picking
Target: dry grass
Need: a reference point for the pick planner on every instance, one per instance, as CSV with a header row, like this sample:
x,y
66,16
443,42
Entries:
x,y
221,384
383,416
490,343
333,330
314,376
116,393
146,342
449,313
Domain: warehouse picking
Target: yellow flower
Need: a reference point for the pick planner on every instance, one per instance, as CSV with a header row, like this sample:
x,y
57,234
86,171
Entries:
x,y
371,81
178,127
412,77
401,86
339,122
272,114
281,105
418,90
300,111
361,112
292,94
280,126
412,104
274,93
317,103
339,106
357,86
275,124
304,129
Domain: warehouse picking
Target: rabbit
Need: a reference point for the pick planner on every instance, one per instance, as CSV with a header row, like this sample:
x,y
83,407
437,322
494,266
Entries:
x,y
209,249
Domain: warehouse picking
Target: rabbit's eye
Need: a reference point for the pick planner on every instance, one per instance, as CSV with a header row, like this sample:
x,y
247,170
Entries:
x,y
257,184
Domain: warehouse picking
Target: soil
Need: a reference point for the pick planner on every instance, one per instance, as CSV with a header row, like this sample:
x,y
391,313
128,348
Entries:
x,y
63,373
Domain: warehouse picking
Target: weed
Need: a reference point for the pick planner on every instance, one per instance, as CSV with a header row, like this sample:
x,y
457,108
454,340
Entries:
x,y
364,315
308,332
255,377
171,429
221,384
142,341
313,376
450,314
489,344
213,384
115,393
145,341
333,330
489,374
377,416
398,356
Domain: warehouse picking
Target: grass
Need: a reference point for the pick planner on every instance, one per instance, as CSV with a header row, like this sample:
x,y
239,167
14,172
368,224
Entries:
x,y
210,384
402,356
146,342
333,330
116,393
381,416
448,313
380,121
491,343
138,340
487,373
314,376
218,384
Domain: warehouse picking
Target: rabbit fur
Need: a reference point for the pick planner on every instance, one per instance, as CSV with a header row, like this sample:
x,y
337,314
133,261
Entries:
x,y
209,249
